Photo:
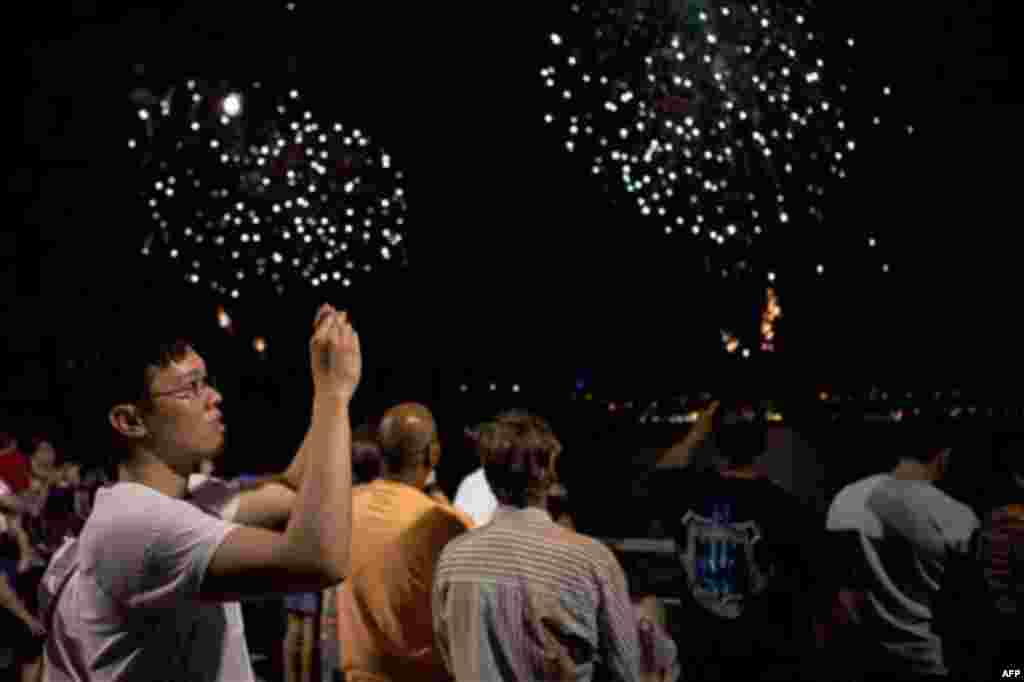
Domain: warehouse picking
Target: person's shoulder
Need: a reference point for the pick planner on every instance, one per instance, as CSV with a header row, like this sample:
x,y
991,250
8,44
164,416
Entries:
x,y
136,506
856,493
457,516
111,499
958,515
123,518
849,507
464,541
589,549
444,514
476,476
214,495
928,496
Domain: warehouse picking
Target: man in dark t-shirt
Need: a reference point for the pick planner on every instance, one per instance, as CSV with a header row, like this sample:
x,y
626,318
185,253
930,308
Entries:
x,y
744,545
988,638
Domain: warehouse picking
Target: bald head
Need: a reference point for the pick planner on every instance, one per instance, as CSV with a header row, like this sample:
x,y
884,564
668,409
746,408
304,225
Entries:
x,y
408,438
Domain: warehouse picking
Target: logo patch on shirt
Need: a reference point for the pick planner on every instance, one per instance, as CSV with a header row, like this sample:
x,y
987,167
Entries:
x,y
718,557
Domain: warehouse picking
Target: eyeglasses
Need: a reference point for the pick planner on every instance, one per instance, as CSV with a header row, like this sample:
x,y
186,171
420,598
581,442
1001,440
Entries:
x,y
194,390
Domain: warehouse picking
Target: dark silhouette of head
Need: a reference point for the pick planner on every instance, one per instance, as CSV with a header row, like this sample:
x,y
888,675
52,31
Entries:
x,y
367,462
740,432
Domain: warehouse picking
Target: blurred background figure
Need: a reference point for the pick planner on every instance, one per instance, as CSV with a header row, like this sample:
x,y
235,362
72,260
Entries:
x,y
367,462
21,498
15,466
474,495
23,633
659,655
300,636
982,618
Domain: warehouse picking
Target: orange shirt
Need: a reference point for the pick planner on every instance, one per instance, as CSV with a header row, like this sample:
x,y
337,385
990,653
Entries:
x,y
385,626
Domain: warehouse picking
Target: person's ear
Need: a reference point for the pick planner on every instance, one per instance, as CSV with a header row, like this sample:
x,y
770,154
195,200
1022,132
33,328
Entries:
x,y
126,420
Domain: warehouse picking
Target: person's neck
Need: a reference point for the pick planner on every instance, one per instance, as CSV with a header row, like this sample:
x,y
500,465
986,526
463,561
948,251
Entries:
x,y
909,470
535,503
409,478
149,470
530,503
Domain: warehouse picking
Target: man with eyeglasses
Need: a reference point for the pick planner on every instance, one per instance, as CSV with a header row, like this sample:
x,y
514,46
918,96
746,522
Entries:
x,y
149,591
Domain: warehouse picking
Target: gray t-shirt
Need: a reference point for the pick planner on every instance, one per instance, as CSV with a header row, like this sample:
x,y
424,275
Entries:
x,y
132,612
906,530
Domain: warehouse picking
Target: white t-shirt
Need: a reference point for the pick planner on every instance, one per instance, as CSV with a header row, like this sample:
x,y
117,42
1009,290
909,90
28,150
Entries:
x,y
475,497
905,529
132,612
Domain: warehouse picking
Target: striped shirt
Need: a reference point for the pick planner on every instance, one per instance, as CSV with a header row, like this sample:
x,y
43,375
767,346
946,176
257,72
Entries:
x,y
526,599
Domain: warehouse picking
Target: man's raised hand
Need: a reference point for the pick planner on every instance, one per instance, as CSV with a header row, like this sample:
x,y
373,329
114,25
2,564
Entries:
x,y
335,354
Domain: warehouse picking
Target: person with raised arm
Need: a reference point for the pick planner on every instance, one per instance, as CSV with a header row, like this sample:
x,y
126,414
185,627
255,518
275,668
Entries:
x,y
150,589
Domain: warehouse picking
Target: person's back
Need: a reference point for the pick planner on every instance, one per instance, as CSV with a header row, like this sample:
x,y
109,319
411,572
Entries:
x,y
384,617
743,543
383,614
524,598
903,531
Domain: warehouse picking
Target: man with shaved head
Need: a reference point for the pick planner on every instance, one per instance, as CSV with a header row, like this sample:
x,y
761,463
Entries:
x,y
384,617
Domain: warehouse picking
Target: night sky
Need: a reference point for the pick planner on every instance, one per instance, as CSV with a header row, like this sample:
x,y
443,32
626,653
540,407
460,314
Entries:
x,y
516,262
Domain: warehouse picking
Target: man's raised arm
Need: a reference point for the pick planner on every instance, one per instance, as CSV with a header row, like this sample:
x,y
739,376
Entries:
x,y
268,501
680,454
313,552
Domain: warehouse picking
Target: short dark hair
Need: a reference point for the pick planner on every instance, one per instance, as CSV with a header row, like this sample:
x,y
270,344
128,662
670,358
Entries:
x,y
367,462
740,432
517,452
921,440
121,371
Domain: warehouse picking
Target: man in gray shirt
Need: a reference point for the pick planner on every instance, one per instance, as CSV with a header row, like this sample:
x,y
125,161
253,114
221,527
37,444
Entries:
x,y
900,531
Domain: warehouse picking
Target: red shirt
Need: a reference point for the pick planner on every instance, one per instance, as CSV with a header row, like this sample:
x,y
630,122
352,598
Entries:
x,y
16,470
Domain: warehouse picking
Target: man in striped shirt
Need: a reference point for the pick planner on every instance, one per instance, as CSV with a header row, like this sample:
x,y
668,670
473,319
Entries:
x,y
524,598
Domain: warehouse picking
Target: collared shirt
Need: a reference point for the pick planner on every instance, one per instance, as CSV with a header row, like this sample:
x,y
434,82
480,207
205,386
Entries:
x,y
384,619
526,599
475,497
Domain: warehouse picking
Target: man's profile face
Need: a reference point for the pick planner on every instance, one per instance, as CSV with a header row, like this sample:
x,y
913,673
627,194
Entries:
x,y
184,424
